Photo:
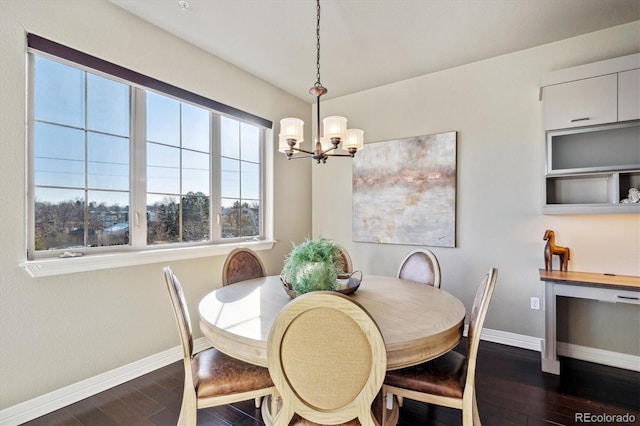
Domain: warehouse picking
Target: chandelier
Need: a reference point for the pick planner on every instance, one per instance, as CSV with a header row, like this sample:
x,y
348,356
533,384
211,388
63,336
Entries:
x,y
335,127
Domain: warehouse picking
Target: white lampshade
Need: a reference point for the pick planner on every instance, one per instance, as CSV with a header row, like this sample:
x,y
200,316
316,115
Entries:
x,y
292,128
283,146
334,127
325,142
354,139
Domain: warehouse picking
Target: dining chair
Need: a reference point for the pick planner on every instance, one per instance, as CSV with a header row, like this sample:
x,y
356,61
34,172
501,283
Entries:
x,y
240,265
448,380
421,265
347,266
327,360
211,378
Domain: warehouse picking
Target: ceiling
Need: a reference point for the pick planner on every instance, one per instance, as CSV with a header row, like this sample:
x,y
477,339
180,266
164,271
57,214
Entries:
x,y
369,43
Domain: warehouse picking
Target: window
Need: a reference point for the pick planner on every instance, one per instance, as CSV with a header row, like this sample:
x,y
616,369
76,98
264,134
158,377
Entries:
x,y
240,165
178,170
121,162
81,145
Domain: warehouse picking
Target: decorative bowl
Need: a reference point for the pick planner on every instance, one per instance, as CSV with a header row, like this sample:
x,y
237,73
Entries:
x,y
355,278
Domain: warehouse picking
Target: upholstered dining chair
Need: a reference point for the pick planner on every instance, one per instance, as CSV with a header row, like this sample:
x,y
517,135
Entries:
x,y
211,378
448,380
347,266
327,360
240,265
420,265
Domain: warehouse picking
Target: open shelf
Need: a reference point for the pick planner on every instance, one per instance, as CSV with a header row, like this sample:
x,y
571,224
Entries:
x,y
591,169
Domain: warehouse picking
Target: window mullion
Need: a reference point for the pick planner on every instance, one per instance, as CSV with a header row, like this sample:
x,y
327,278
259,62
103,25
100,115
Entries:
x,y
138,150
262,189
85,210
241,194
215,178
30,199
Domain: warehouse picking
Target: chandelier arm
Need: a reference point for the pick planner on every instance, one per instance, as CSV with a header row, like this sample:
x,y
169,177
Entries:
x,y
302,150
340,155
298,157
331,148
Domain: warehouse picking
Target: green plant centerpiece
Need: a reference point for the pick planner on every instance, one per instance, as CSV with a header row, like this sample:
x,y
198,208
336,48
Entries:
x,y
312,265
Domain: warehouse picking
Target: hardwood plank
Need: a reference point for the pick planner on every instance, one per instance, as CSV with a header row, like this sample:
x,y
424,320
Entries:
x,y
61,417
140,402
88,414
124,414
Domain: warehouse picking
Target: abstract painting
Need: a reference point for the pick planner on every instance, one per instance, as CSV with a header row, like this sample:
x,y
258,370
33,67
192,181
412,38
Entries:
x,y
404,191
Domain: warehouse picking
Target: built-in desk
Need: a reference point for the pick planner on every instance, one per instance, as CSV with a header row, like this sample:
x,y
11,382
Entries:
x,y
583,285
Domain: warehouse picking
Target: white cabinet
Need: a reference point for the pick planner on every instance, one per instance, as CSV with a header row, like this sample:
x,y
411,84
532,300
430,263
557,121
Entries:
x,y
580,103
629,95
591,119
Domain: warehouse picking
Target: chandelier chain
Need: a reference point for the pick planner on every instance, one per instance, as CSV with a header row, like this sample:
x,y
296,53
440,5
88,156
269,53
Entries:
x,y
318,84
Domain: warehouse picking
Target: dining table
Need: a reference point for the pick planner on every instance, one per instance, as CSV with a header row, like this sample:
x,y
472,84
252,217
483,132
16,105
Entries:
x,y
418,322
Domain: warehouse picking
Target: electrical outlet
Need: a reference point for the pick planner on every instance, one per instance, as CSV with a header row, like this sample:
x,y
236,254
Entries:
x,y
535,303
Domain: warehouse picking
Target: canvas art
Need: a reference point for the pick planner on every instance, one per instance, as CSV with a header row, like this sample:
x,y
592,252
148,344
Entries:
x,y
404,191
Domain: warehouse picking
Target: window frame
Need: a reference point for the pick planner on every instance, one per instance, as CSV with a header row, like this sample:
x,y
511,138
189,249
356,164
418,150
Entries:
x,y
43,263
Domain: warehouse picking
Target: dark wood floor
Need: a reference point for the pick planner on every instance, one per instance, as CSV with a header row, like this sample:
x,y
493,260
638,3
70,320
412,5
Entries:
x,y
510,386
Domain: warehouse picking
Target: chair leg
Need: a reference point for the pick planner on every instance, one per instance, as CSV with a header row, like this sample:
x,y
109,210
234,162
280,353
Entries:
x,y
275,403
258,401
383,405
189,408
468,402
476,414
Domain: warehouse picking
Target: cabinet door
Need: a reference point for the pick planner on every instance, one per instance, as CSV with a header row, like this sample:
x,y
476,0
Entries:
x,y
629,95
581,103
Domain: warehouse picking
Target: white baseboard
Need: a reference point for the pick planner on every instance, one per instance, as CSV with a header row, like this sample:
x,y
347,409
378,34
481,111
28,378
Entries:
x,y
511,339
67,395
570,350
599,356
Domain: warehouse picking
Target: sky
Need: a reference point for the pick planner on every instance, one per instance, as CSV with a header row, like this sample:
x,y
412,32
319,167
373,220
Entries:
x,y
82,140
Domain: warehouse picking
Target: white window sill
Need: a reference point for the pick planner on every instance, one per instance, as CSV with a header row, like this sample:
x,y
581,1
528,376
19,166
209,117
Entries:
x,y
57,266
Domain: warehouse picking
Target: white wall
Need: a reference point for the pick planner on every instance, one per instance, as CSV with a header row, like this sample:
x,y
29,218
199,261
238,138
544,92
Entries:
x,y
494,107
57,331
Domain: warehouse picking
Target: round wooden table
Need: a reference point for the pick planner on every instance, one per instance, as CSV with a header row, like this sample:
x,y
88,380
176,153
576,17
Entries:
x,y
418,322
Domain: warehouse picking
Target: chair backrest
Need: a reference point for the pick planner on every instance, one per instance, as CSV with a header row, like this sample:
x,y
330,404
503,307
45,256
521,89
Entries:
x,y
180,311
347,266
240,265
476,320
421,265
327,359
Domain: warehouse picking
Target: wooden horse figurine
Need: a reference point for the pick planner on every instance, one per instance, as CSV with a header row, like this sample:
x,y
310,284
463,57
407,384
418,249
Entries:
x,y
551,248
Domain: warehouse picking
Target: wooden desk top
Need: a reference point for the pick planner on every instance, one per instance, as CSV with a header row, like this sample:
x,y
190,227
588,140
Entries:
x,y
627,282
418,322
